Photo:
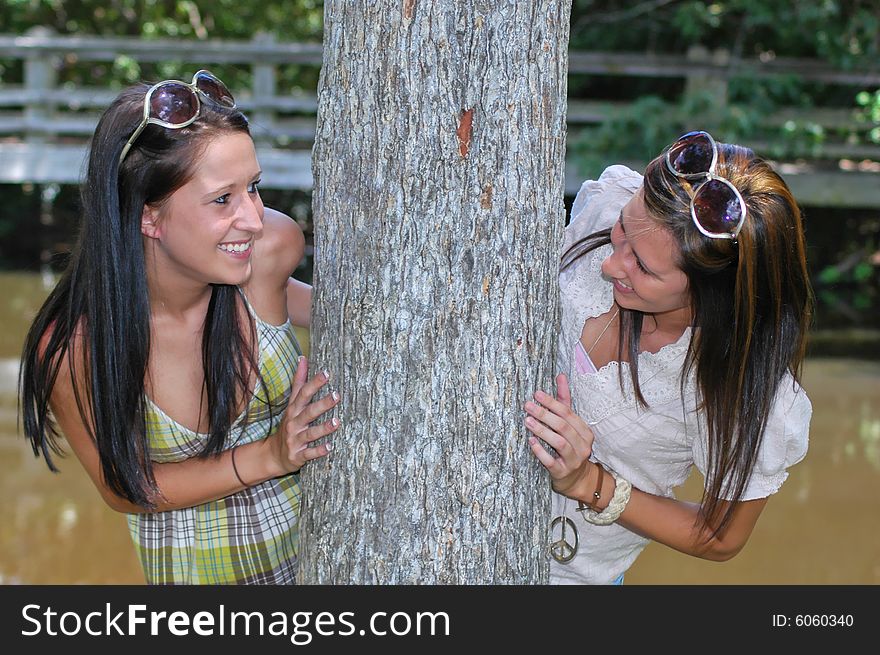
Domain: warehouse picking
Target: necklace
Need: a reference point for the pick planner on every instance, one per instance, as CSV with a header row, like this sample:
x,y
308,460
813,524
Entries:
x,y
604,329
563,550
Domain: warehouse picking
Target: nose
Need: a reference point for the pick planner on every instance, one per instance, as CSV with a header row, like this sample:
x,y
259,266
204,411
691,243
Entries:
x,y
613,264
250,216
609,269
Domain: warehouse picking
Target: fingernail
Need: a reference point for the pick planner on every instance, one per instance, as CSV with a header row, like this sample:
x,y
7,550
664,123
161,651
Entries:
x,y
326,373
329,446
335,396
299,360
530,420
334,422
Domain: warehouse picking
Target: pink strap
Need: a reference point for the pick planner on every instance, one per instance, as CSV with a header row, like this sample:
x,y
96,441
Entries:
x,y
582,360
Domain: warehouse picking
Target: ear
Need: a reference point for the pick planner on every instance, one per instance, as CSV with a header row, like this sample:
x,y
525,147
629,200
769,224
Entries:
x,y
150,222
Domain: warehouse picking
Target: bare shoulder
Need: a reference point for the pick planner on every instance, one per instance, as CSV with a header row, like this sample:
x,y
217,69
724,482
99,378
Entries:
x,y
280,248
277,253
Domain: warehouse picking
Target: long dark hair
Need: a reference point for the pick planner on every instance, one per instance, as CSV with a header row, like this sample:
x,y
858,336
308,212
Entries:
x,y
102,302
752,306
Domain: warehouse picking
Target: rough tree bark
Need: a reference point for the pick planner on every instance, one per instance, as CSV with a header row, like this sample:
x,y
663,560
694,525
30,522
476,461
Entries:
x,y
438,209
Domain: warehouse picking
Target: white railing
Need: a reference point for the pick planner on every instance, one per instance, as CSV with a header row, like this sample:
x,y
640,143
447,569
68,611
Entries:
x,y
44,126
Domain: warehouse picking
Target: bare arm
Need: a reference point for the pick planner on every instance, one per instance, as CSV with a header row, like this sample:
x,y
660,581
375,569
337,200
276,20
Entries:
x,y
299,302
271,289
674,523
678,524
195,481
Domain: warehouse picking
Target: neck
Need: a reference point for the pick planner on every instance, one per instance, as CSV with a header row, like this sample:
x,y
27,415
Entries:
x,y
671,324
172,294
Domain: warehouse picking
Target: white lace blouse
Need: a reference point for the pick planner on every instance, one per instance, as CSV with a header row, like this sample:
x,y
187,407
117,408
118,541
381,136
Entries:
x,y
653,448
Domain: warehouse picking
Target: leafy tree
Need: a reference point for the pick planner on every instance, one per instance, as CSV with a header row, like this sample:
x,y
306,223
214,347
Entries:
x,y
287,20
843,33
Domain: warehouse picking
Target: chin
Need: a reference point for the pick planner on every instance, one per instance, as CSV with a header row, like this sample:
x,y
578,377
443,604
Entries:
x,y
235,279
633,304
625,300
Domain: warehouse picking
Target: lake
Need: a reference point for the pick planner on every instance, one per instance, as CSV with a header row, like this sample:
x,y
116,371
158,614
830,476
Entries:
x,y
823,527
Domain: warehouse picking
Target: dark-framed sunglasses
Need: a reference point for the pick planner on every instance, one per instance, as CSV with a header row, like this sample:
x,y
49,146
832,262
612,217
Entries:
x,y
717,207
175,104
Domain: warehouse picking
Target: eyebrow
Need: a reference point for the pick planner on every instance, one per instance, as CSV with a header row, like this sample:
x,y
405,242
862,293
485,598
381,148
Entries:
x,y
231,185
641,261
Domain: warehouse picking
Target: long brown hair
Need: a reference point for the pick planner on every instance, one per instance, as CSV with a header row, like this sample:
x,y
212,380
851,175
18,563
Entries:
x,y
752,305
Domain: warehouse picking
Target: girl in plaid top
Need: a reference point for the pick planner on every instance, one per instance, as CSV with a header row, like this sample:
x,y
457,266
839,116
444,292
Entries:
x,y
166,353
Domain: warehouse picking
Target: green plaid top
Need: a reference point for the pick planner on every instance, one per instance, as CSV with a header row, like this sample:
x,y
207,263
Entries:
x,y
250,537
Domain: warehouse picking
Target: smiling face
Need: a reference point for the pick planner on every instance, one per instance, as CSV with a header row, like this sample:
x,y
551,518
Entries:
x,y
205,231
643,267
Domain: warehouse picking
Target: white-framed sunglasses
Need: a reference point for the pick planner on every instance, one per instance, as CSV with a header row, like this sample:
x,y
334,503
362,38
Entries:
x,y
717,206
175,104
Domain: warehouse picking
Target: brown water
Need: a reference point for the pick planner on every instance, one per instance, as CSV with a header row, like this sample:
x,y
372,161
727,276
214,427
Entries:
x,y
823,527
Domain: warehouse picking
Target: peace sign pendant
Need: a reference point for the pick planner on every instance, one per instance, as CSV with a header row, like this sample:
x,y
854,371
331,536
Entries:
x,y
561,550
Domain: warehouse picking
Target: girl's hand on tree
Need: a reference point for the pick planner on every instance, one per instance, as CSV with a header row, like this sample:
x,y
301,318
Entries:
x,y
294,436
552,420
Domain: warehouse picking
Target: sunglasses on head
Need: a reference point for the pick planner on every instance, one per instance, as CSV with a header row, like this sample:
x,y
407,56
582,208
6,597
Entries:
x,y
717,208
174,104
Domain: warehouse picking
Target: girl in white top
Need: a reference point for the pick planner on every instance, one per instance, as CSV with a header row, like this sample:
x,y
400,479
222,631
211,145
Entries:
x,y
686,303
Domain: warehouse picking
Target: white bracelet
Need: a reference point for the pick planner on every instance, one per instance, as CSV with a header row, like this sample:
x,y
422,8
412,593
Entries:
x,y
622,491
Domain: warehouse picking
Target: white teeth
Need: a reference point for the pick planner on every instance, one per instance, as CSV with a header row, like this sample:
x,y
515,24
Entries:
x,y
625,286
235,247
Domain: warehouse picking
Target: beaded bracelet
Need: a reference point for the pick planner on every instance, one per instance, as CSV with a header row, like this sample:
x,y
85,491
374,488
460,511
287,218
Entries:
x,y
622,491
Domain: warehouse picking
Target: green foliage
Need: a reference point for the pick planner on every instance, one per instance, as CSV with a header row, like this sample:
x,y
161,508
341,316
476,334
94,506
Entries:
x,y
287,20
845,254
869,112
639,132
839,32
768,95
842,32
290,20
635,134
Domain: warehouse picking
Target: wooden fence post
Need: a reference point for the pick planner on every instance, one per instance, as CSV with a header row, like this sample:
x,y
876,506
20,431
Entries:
x,y
264,87
707,83
40,77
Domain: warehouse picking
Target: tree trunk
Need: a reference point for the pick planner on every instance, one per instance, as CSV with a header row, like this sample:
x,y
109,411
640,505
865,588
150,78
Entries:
x,y
438,209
